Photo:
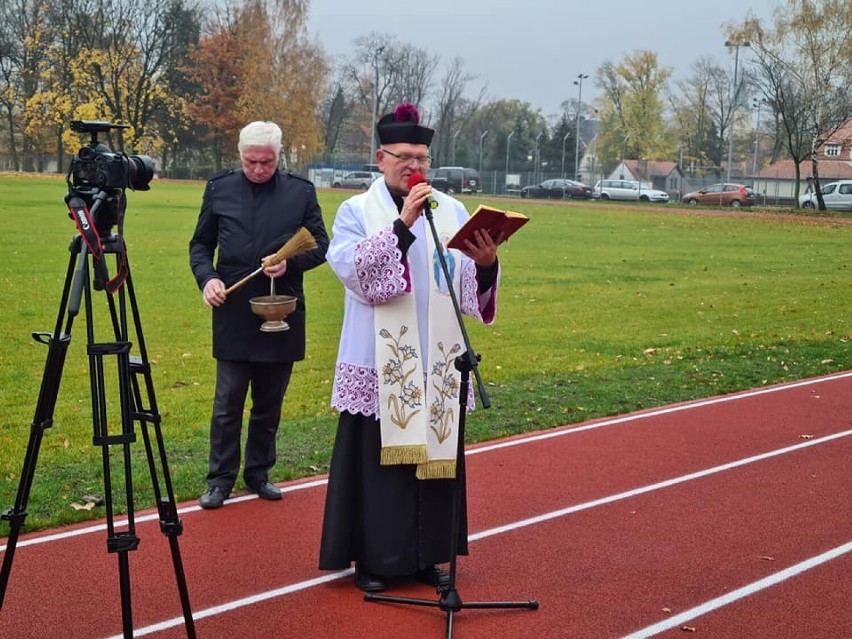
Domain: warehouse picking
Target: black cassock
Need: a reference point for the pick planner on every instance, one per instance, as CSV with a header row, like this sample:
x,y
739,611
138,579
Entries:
x,y
383,517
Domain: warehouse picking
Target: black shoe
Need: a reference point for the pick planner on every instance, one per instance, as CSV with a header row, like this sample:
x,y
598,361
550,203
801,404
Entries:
x,y
265,490
433,576
214,497
368,582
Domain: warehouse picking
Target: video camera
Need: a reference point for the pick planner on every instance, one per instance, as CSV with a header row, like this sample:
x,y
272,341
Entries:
x,y
97,166
97,179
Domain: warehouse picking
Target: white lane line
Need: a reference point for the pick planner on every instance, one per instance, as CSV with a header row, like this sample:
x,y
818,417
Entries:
x,y
568,430
740,593
667,410
239,603
120,523
178,621
658,486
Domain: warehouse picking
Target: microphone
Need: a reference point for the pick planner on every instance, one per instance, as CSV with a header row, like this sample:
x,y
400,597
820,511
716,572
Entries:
x,y
417,178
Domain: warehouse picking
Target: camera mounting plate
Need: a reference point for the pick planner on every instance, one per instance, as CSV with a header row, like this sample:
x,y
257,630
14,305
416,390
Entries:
x,y
94,126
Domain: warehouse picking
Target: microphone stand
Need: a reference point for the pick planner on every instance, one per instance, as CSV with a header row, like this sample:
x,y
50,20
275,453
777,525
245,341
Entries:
x,y
449,599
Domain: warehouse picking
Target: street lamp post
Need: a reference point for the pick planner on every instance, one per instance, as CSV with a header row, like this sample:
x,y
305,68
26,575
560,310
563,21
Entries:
x,y
579,83
537,157
564,137
455,135
481,138
735,94
508,140
595,152
376,55
756,104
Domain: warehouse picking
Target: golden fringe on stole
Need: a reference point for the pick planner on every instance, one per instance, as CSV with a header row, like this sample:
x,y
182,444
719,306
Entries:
x,y
437,469
411,454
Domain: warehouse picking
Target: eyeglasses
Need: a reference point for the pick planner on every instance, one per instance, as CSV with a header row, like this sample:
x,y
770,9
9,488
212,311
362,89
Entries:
x,y
421,160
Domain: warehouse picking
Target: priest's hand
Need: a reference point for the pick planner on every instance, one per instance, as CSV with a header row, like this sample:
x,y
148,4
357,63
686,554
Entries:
x,y
484,250
415,203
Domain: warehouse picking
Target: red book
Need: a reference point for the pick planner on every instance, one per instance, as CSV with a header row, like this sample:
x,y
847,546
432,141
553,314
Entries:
x,y
493,220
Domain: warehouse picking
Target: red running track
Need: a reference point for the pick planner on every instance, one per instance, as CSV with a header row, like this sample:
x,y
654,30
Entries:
x,y
729,517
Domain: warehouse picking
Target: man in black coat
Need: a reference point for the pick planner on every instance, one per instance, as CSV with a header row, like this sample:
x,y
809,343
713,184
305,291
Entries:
x,y
246,216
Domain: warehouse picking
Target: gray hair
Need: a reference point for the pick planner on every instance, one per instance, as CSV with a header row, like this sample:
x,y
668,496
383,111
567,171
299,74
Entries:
x,y
264,134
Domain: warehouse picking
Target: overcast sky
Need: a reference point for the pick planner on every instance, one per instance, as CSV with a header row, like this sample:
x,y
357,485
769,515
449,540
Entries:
x,y
533,50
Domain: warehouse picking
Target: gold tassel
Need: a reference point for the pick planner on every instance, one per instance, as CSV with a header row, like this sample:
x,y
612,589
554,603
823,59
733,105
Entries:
x,y
394,455
437,469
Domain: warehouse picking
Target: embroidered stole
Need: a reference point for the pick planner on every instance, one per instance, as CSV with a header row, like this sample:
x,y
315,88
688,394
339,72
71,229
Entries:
x,y
418,398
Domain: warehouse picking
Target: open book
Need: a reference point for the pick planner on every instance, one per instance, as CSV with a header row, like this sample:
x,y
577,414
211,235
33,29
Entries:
x,y
493,220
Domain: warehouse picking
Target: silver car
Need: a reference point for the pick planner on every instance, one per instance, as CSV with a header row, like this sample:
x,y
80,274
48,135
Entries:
x,y
628,190
356,180
836,195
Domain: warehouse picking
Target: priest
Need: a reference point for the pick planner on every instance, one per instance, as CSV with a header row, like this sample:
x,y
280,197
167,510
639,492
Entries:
x,y
389,503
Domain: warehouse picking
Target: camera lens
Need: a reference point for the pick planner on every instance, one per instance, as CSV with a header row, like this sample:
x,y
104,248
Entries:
x,y
140,172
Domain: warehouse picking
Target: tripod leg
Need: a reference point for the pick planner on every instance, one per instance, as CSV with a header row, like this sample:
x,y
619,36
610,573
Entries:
x,y
170,524
58,347
146,412
57,344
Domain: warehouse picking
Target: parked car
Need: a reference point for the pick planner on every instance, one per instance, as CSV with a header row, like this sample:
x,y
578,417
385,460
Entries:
x,y
722,195
558,188
455,179
356,180
836,195
628,190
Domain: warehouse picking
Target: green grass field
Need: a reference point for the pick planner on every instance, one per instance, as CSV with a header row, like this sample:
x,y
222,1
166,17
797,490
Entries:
x,y
602,310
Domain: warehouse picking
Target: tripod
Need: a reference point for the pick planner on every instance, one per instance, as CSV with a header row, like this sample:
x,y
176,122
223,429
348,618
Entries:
x,y
137,403
449,599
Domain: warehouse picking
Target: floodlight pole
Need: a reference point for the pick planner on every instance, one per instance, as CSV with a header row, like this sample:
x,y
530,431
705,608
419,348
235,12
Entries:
x,y
537,157
455,135
579,83
481,138
376,55
735,93
508,140
757,104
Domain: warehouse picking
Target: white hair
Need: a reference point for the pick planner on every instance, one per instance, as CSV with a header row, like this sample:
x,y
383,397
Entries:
x,y
263,134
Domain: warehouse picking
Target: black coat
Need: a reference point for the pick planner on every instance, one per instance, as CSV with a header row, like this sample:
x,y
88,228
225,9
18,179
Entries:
x,y
246,222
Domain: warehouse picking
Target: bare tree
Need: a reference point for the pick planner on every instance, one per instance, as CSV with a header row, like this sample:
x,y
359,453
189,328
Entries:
x,y
702,112
452,110
804,67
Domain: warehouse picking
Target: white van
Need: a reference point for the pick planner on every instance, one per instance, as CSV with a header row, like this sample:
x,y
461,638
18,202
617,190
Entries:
x,y
836,195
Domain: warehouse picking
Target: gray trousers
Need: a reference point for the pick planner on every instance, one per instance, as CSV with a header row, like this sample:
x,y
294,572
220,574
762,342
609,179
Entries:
x,y
268,382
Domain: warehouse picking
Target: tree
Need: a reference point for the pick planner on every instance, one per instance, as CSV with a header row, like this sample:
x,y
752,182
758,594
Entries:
x,y
178,130
631,107
24,36
112,54
702,114
804,68
453,112
503,118
215,66
257,64
381,74
283,73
